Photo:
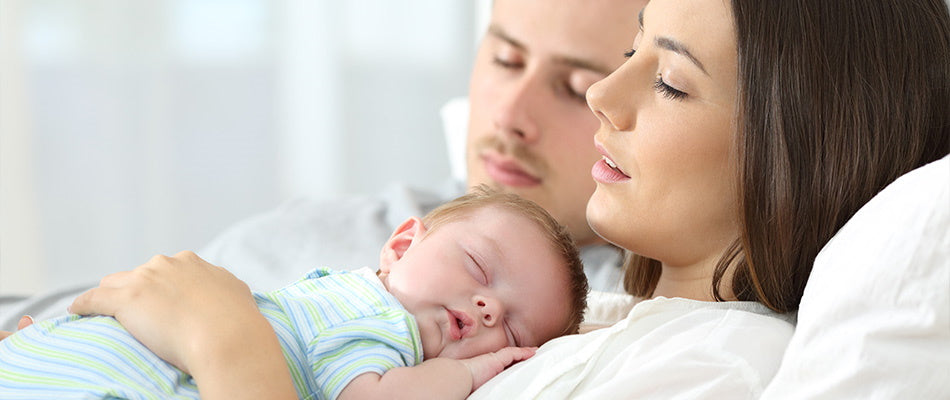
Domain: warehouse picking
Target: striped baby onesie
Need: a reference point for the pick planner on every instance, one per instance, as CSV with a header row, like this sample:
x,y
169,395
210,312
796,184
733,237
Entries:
x,y
332,326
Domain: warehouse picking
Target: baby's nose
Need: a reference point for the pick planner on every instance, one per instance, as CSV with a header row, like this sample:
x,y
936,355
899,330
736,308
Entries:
x,y
490,309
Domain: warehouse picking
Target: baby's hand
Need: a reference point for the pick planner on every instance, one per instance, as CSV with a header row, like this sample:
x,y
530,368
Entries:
x,y
486,366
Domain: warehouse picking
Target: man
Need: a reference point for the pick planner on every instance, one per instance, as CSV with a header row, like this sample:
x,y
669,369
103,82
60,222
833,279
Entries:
x,y
529,132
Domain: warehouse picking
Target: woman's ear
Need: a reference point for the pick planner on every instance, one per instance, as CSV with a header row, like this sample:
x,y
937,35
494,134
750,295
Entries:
x,y
399,242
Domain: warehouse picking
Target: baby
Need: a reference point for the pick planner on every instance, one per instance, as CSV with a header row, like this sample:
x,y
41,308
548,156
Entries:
x,y
471,288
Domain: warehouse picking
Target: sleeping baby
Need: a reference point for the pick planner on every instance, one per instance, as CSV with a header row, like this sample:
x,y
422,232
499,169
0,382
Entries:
x,y
472,287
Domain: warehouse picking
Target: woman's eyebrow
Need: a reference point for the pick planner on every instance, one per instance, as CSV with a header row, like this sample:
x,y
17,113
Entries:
x,y
679,48
673,45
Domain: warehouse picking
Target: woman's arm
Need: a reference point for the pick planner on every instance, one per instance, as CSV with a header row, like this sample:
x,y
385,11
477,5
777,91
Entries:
x,y
200,318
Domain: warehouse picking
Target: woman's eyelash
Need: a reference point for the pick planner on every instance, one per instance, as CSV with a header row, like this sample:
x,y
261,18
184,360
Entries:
x,y
660,86
667,90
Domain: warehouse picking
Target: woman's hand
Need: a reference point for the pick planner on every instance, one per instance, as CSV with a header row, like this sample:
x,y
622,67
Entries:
x,y
171,304
24,322
200,318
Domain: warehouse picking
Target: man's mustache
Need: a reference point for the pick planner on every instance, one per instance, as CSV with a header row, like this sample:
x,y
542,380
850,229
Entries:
x,y
515,150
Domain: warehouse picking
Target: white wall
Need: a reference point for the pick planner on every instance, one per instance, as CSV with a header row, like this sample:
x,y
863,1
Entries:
x,y
129,128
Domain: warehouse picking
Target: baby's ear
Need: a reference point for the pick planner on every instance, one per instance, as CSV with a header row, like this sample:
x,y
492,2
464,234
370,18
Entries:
x,y
399,242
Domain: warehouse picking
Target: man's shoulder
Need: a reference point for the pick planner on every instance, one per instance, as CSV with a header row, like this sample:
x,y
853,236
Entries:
x,y
271,249
392,205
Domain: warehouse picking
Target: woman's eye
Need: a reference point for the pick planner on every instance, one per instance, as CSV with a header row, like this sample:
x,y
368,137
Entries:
x,y
629,53
667,90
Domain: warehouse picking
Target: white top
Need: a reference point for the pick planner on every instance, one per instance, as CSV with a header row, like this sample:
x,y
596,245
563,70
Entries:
x,y
664,349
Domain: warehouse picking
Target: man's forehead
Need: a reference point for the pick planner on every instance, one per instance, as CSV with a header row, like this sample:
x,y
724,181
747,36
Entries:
x,y
561,56
596,32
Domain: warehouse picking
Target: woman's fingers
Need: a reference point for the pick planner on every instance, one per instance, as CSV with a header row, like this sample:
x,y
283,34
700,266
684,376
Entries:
x,y
24,322
98,301
177,306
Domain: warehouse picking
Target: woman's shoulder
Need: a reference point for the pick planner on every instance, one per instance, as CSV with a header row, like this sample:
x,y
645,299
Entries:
x,y
743,332
706,349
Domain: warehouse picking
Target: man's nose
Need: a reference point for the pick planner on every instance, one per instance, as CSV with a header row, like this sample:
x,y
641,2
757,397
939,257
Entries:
x,y
514,113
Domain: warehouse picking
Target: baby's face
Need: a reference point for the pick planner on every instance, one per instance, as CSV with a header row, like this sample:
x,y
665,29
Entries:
x,y
482,283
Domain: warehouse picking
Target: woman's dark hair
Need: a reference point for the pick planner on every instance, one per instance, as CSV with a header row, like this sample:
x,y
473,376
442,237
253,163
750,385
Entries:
x,y
836,99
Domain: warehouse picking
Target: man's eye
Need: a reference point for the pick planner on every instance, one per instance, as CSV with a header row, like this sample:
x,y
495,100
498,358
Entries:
x,y
505,63
580,96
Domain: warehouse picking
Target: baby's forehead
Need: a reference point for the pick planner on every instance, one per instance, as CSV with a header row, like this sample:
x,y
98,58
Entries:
x,y
495,217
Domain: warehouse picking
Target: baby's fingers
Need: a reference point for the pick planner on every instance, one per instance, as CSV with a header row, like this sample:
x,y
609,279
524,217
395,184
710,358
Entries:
x,y
509,355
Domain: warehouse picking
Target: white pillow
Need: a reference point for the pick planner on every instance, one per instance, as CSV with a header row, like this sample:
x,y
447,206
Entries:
x,y
455,123
874,321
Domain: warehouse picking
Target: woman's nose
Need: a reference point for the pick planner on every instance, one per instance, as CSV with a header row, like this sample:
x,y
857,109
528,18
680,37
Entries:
x,y
610,105
490,310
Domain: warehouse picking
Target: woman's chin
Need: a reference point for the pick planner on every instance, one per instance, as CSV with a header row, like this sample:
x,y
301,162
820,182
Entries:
x,y
598,217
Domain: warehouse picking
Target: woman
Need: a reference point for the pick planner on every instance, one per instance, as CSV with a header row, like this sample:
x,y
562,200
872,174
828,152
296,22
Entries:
x,y
738,138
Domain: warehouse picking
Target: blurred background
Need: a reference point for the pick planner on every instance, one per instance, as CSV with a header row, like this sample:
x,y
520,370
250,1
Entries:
x,y
131,128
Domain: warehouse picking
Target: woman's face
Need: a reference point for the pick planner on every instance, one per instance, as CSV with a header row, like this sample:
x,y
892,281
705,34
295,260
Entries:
x,y
667,125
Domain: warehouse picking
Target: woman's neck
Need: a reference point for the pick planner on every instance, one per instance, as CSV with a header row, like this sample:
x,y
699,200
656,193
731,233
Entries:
x,y
693,282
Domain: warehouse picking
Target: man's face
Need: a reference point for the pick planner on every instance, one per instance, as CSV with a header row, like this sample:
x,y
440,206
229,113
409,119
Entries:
x,y
530,131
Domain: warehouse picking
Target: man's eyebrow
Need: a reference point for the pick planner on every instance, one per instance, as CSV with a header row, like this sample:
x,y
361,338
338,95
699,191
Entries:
x,y
672,45
500,33
575,62
581,63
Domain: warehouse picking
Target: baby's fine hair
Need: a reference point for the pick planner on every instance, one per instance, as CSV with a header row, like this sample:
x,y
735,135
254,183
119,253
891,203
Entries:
x,y
557,235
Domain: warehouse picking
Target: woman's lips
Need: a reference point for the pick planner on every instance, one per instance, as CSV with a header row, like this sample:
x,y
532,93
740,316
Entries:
x,y
604,172
508,172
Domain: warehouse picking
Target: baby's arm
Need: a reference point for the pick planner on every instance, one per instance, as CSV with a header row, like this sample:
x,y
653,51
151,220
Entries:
x,y
438,378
